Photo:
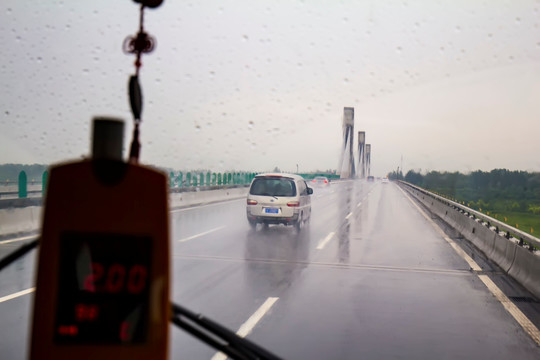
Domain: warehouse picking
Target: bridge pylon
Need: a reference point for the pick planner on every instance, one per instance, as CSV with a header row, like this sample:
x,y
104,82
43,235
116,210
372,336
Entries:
x,y
368,159
361,154
346,165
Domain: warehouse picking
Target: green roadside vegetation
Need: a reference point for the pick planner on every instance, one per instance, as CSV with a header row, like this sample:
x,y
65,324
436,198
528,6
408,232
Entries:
x,y
509,196
526,222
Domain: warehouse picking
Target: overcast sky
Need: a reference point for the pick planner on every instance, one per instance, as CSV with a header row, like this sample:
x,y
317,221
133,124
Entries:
x,y
250,85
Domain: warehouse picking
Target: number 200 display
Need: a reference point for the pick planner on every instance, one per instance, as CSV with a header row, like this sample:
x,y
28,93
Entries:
x,y
116,278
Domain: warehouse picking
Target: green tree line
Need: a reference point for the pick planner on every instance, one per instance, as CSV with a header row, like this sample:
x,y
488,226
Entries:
x,y
498,190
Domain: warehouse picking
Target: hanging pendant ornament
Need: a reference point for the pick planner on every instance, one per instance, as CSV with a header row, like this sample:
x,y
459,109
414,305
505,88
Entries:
x,y
141,43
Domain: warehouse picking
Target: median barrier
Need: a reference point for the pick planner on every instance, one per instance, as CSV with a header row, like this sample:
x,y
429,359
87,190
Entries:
x,y
22,215
526,269
504,252
20,220
484,232
192,198
479,234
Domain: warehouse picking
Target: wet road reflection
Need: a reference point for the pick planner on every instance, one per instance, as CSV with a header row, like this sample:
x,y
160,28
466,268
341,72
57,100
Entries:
x,y
346,198
275,256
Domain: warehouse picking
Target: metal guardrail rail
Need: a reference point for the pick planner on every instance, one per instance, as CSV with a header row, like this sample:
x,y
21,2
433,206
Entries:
x,y
524,238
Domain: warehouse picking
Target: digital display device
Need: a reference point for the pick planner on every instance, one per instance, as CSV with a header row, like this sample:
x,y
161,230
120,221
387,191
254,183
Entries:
x,y
104,286
103,277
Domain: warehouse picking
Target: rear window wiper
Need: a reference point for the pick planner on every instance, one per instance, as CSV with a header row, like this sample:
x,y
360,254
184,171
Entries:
x,y
218,337
267,194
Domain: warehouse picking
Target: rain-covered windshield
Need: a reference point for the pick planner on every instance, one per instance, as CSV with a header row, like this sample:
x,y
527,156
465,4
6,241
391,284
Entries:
x,y
444,95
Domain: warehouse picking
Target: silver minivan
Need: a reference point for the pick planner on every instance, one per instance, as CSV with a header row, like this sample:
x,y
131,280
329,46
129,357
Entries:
x,y
278,198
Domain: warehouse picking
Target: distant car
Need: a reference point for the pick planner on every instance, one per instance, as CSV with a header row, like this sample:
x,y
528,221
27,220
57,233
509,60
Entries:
x,y
320,181
385,180
370,178
278,198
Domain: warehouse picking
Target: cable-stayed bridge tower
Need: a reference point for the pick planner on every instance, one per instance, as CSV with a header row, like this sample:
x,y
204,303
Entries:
x,y
368,159
361,154
347,156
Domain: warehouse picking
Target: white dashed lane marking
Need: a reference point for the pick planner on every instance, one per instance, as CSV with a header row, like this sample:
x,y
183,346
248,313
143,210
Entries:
x,y
249,325
325,241
201,234
16,295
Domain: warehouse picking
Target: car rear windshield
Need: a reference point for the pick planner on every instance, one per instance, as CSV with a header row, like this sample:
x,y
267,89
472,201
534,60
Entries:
x,y
273,186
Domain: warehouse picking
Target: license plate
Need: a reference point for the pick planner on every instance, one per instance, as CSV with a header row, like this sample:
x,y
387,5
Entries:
x,y
271,211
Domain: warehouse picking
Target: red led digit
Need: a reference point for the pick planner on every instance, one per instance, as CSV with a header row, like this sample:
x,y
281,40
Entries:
x,y
80,312
94,277
137,279
70,330
73,330
93,312
115,278
124,331
85,312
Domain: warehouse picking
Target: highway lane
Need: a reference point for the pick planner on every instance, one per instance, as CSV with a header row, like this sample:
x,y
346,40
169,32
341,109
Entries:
x,y
15,281
384,285
368,277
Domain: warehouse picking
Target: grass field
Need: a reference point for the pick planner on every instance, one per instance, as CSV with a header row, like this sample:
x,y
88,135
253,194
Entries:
x,y
526,222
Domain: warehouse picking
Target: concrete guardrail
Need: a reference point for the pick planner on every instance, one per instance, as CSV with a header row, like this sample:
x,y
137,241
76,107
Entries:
x,y
510,248
24,219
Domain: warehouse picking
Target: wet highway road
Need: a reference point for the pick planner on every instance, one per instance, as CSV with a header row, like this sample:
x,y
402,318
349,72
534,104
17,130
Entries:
x,y
368,277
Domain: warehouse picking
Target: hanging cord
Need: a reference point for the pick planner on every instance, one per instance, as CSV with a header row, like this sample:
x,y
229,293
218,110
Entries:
x,y
138,44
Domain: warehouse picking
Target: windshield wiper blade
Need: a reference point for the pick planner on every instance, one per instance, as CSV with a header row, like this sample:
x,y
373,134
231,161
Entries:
x,y
218,337
21,251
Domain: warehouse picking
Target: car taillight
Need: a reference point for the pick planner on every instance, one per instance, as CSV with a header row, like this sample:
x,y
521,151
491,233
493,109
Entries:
x,y
251,202
326,181
293,204
313,180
